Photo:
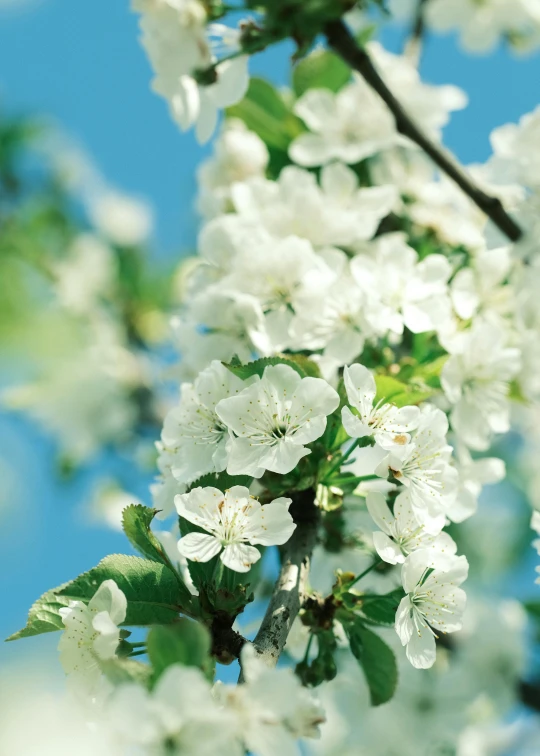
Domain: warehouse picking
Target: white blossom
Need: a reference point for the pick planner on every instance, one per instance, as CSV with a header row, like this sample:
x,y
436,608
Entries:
x,y
271,708
273,420
474,474
482,25
389,425
86,276
401,533
476,380
177,44
434,602
235,521
482,287
193,435
239,155
402,290
91,634
423,466
516,156
336,130
430,105
338,212
179,716
123,220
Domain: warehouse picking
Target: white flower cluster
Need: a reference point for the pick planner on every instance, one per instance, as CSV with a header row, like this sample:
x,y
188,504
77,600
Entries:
x,y
481,25
184,713
179,45
302,264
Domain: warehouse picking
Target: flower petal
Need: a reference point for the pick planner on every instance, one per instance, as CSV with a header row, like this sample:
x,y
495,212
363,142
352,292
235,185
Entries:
x,y
199,547
240,557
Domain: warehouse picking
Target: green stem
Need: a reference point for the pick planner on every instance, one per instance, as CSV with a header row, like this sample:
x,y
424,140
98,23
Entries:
x,y
138,653
341,460
308,649
365,572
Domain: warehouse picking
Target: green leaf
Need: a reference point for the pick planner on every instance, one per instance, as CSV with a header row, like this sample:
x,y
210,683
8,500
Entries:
x,y
321,69
153,593
258,367
308,367
119,671
186,642
265,112
222,481
388,387
376,659
44,615
533,609
400,394
382,609
136,520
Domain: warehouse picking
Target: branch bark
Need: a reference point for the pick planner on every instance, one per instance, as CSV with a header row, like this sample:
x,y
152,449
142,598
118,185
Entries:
x,y
343,43
413,47
290,590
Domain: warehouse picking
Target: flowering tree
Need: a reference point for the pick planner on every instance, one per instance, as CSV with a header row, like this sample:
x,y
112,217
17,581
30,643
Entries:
x,y
358,325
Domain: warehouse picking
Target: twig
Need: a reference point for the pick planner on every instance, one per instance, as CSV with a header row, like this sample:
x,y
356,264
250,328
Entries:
x,y
343,43
291,586
413,46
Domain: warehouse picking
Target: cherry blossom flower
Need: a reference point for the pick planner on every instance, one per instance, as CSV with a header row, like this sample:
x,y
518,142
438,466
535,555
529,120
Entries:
x,y
423,466
273,419
401,534
336,131
476,380
91,634
434,602
272,708
235,521
389,425
193,435
179,716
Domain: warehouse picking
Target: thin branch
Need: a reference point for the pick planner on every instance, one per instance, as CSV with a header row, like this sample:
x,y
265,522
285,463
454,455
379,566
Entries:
x,y
290,590
413,46
343,43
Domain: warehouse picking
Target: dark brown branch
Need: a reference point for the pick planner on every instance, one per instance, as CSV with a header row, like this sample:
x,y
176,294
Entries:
x,y
226,642
343,43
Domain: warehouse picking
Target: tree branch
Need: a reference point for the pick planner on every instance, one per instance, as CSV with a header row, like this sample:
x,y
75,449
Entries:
x,y
413,46
291,586
343,43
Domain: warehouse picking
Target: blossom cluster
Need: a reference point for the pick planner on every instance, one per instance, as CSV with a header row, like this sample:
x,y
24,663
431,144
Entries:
x,y
353,337
481,26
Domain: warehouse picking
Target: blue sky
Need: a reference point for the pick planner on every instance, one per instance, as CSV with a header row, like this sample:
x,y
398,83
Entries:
x,y
78,62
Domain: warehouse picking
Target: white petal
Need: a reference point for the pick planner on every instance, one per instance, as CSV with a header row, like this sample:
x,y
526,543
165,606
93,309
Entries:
x,y
284,456
271,524
240,557
354,425
421,650
109,598
380,512
106,643
200,506
360,386
246,457
199,547
404,624
386,548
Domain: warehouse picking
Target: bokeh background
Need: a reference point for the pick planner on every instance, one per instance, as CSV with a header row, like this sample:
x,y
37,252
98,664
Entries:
x,y
78,65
